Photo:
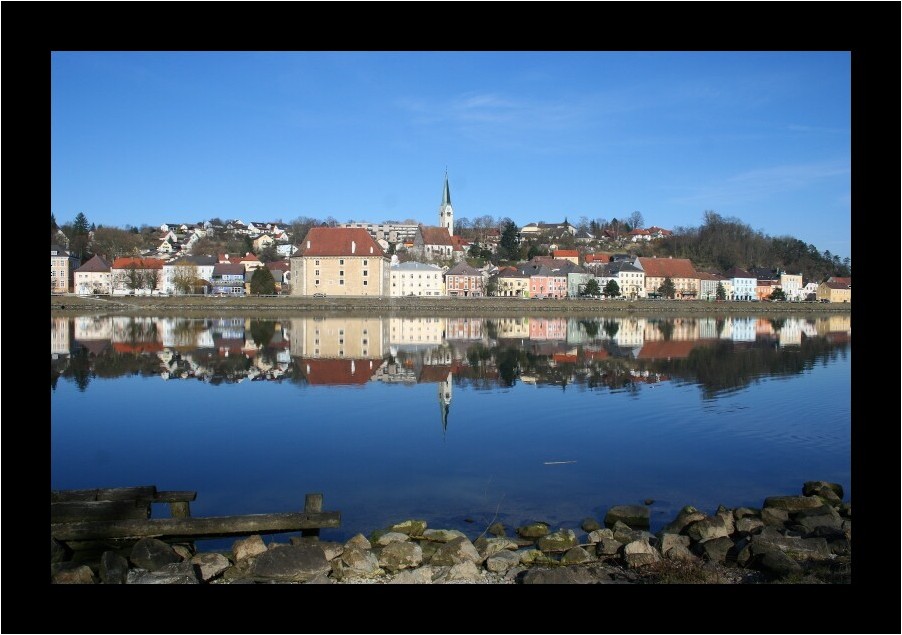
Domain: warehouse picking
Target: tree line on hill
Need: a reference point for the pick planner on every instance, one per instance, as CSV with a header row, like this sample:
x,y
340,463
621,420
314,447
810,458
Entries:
x,y
719,243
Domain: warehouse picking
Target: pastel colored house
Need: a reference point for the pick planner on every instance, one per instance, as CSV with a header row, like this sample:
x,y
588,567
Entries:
x,y
228,279
196,271
93,277
743,282
792,286
707,285
416,279
136,276
464,280
339,261
833,291
62,268
512,283
680,271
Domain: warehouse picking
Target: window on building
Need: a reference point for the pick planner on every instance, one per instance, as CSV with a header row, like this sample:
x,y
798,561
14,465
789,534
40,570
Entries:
x,y
316,282
316,262
341,282
316,273
365,283
341,272
364,263
364,272
341,261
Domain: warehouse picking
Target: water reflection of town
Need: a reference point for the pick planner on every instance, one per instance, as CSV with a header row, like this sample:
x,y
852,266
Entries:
x,y
483,353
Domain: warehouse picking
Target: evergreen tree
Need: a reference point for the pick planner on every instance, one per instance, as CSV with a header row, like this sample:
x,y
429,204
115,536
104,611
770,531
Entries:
x,y
667,289
592,288
262,282
721,292
612,289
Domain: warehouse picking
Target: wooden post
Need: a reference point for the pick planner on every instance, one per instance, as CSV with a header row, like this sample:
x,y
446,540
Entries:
x,y
312,503
180,509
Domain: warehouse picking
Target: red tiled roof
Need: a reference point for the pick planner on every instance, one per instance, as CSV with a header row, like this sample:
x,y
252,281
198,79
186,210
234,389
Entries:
x,y
338,241
94,265
845,281
138,263
704,275
668,267
281,265
249,257
836,285
140,347
599,257
436,236
666,349
564,358
339,372
565,253
459,243
639,232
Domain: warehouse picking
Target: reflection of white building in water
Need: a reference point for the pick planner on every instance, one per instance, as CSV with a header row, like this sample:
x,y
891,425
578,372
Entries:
x,y
59,336
418,330
707,328
743,329
630,332
790,334
91,327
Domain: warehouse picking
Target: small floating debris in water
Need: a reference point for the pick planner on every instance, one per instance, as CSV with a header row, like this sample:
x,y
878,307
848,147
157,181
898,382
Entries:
x,y
558,462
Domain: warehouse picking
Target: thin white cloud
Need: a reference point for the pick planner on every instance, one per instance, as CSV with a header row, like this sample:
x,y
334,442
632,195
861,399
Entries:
x,y
760,183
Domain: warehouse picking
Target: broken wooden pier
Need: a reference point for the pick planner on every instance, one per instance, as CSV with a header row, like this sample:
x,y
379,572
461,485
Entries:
x,y
124,513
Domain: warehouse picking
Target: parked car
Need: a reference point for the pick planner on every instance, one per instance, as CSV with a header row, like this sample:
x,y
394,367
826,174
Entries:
x,y
319,295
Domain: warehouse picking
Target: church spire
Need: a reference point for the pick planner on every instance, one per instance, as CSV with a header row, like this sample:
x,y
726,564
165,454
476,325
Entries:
x,y
446,195
445,211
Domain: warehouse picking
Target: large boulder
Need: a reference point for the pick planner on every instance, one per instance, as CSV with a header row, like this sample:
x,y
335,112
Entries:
x,y
502,561
534,556
776,563
799,548
729,520
390,537
533,530
743,512
774,517
816,488
454,552
748,525
421,575
400,555
489,547
599,534
668,541
359,563
681,552
152,554
824,516
409,527
70,573
687,515
461,572
707,529
443,535
576,555
716,549
793,503
640,553
558,541
293,563
113,568
608,547
358,541
559,575
634,516
210,565
248,547
172,573
622,533
589,525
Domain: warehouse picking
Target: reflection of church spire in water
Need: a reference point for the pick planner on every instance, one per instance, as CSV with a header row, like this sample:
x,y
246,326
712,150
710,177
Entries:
x,y
444,401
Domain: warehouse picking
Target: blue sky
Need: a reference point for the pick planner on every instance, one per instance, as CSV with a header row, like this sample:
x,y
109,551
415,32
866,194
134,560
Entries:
x,y
145,138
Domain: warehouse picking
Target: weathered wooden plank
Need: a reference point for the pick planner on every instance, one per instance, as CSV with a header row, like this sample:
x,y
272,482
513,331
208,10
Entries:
x,y
103,494
312,503
194,528
174,496
83,511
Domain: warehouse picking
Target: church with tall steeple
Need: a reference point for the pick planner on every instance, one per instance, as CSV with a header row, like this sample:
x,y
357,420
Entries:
x,y
445,211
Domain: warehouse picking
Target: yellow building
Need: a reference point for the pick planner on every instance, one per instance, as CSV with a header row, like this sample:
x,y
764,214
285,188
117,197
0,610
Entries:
x,y
834,291
339,261
331,338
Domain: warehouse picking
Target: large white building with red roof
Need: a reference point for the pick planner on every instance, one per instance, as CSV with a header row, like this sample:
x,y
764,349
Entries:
x,y
339,261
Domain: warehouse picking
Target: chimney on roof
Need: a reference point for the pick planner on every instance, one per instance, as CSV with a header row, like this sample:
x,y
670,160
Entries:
x,y
353,247
308,244
371,250
671,257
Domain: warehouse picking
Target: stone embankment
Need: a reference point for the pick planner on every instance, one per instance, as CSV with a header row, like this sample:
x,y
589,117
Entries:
x,y
805,538
206,306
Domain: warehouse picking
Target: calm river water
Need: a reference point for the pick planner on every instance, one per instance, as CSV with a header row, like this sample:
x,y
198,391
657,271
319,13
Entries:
x,y
458,421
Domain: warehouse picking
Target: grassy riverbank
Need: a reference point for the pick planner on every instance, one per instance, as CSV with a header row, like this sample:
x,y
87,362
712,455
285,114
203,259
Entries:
x,y
287,305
